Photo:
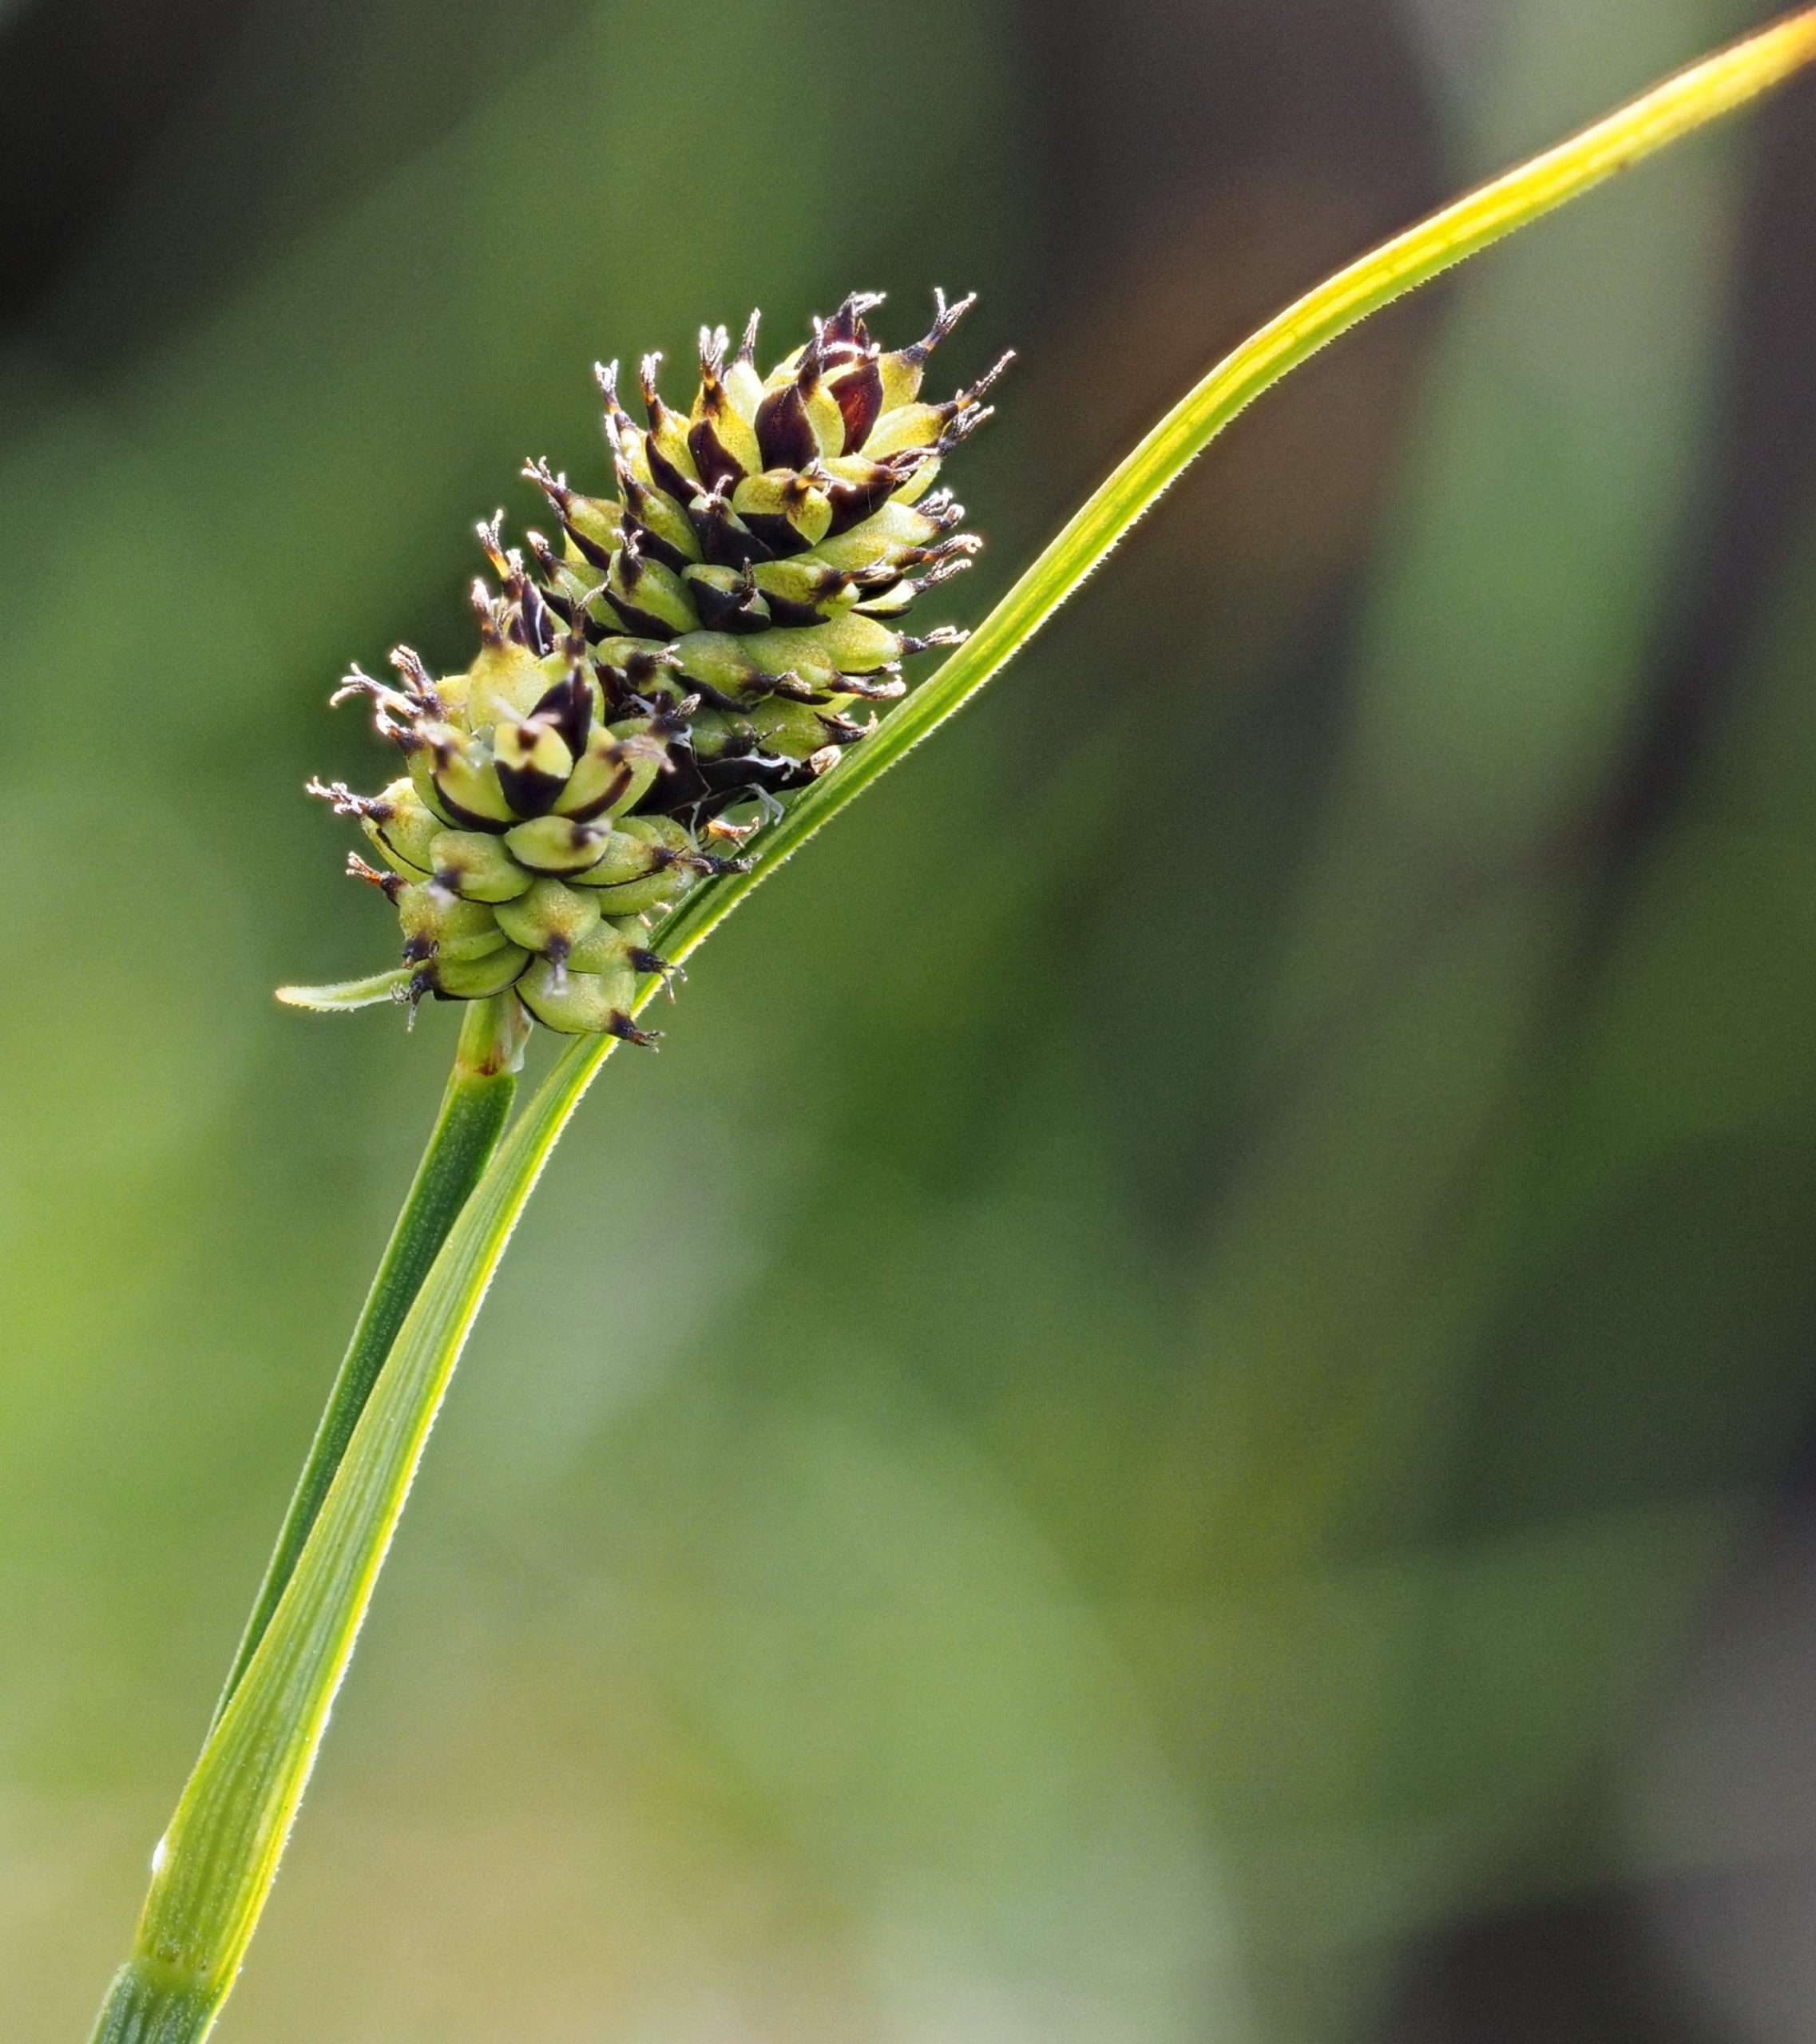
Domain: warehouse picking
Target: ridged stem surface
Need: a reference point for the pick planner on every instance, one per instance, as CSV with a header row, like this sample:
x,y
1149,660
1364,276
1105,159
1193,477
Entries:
x,y
473,1111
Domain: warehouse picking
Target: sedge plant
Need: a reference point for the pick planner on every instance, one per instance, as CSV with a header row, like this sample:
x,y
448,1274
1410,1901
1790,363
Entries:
x,y
666,703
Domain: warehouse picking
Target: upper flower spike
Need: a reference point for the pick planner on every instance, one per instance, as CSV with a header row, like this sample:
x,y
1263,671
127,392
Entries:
x,y
696,641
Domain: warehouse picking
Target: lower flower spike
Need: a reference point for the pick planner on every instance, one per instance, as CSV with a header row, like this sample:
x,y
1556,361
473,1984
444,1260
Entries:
x,y
660,685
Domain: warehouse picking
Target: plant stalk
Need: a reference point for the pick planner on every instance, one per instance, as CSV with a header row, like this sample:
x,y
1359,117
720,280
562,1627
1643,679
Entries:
x,y
216,1865
475,1109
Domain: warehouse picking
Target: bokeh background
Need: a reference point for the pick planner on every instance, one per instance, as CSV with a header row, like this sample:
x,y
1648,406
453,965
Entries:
x,y
1184,1409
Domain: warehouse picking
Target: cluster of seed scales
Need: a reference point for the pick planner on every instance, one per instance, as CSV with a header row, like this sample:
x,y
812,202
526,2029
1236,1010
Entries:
x,y
700,644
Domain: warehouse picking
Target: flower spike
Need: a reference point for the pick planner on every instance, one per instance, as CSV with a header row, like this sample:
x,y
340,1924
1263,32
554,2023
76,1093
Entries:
x,y
656,685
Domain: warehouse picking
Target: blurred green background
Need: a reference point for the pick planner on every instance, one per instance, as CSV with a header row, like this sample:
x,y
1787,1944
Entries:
x,y
1184,1407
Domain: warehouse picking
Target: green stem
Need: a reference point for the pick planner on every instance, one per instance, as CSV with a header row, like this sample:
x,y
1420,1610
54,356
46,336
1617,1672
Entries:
x,y
475,1109
214,1867
217,1863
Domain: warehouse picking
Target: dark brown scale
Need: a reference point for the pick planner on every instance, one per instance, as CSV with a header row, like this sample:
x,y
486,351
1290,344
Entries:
x,y
620,1025
626,689
642,623
672,723
732,775
710,863
716,698
702,788
859,393
467,819
638,623
840,730
614,790
589,550
778,537
845,333
551,598
884,686
561,502
775,530
869,582
615,690
681,789
569,707
647,540
725,540
643,669
537,621
784,610
739,610
844,330
792,686
666,477
714,464
783,430
853,502
530,793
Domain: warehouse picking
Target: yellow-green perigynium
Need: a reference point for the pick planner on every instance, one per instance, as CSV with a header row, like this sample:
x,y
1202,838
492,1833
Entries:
x,y
696,646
